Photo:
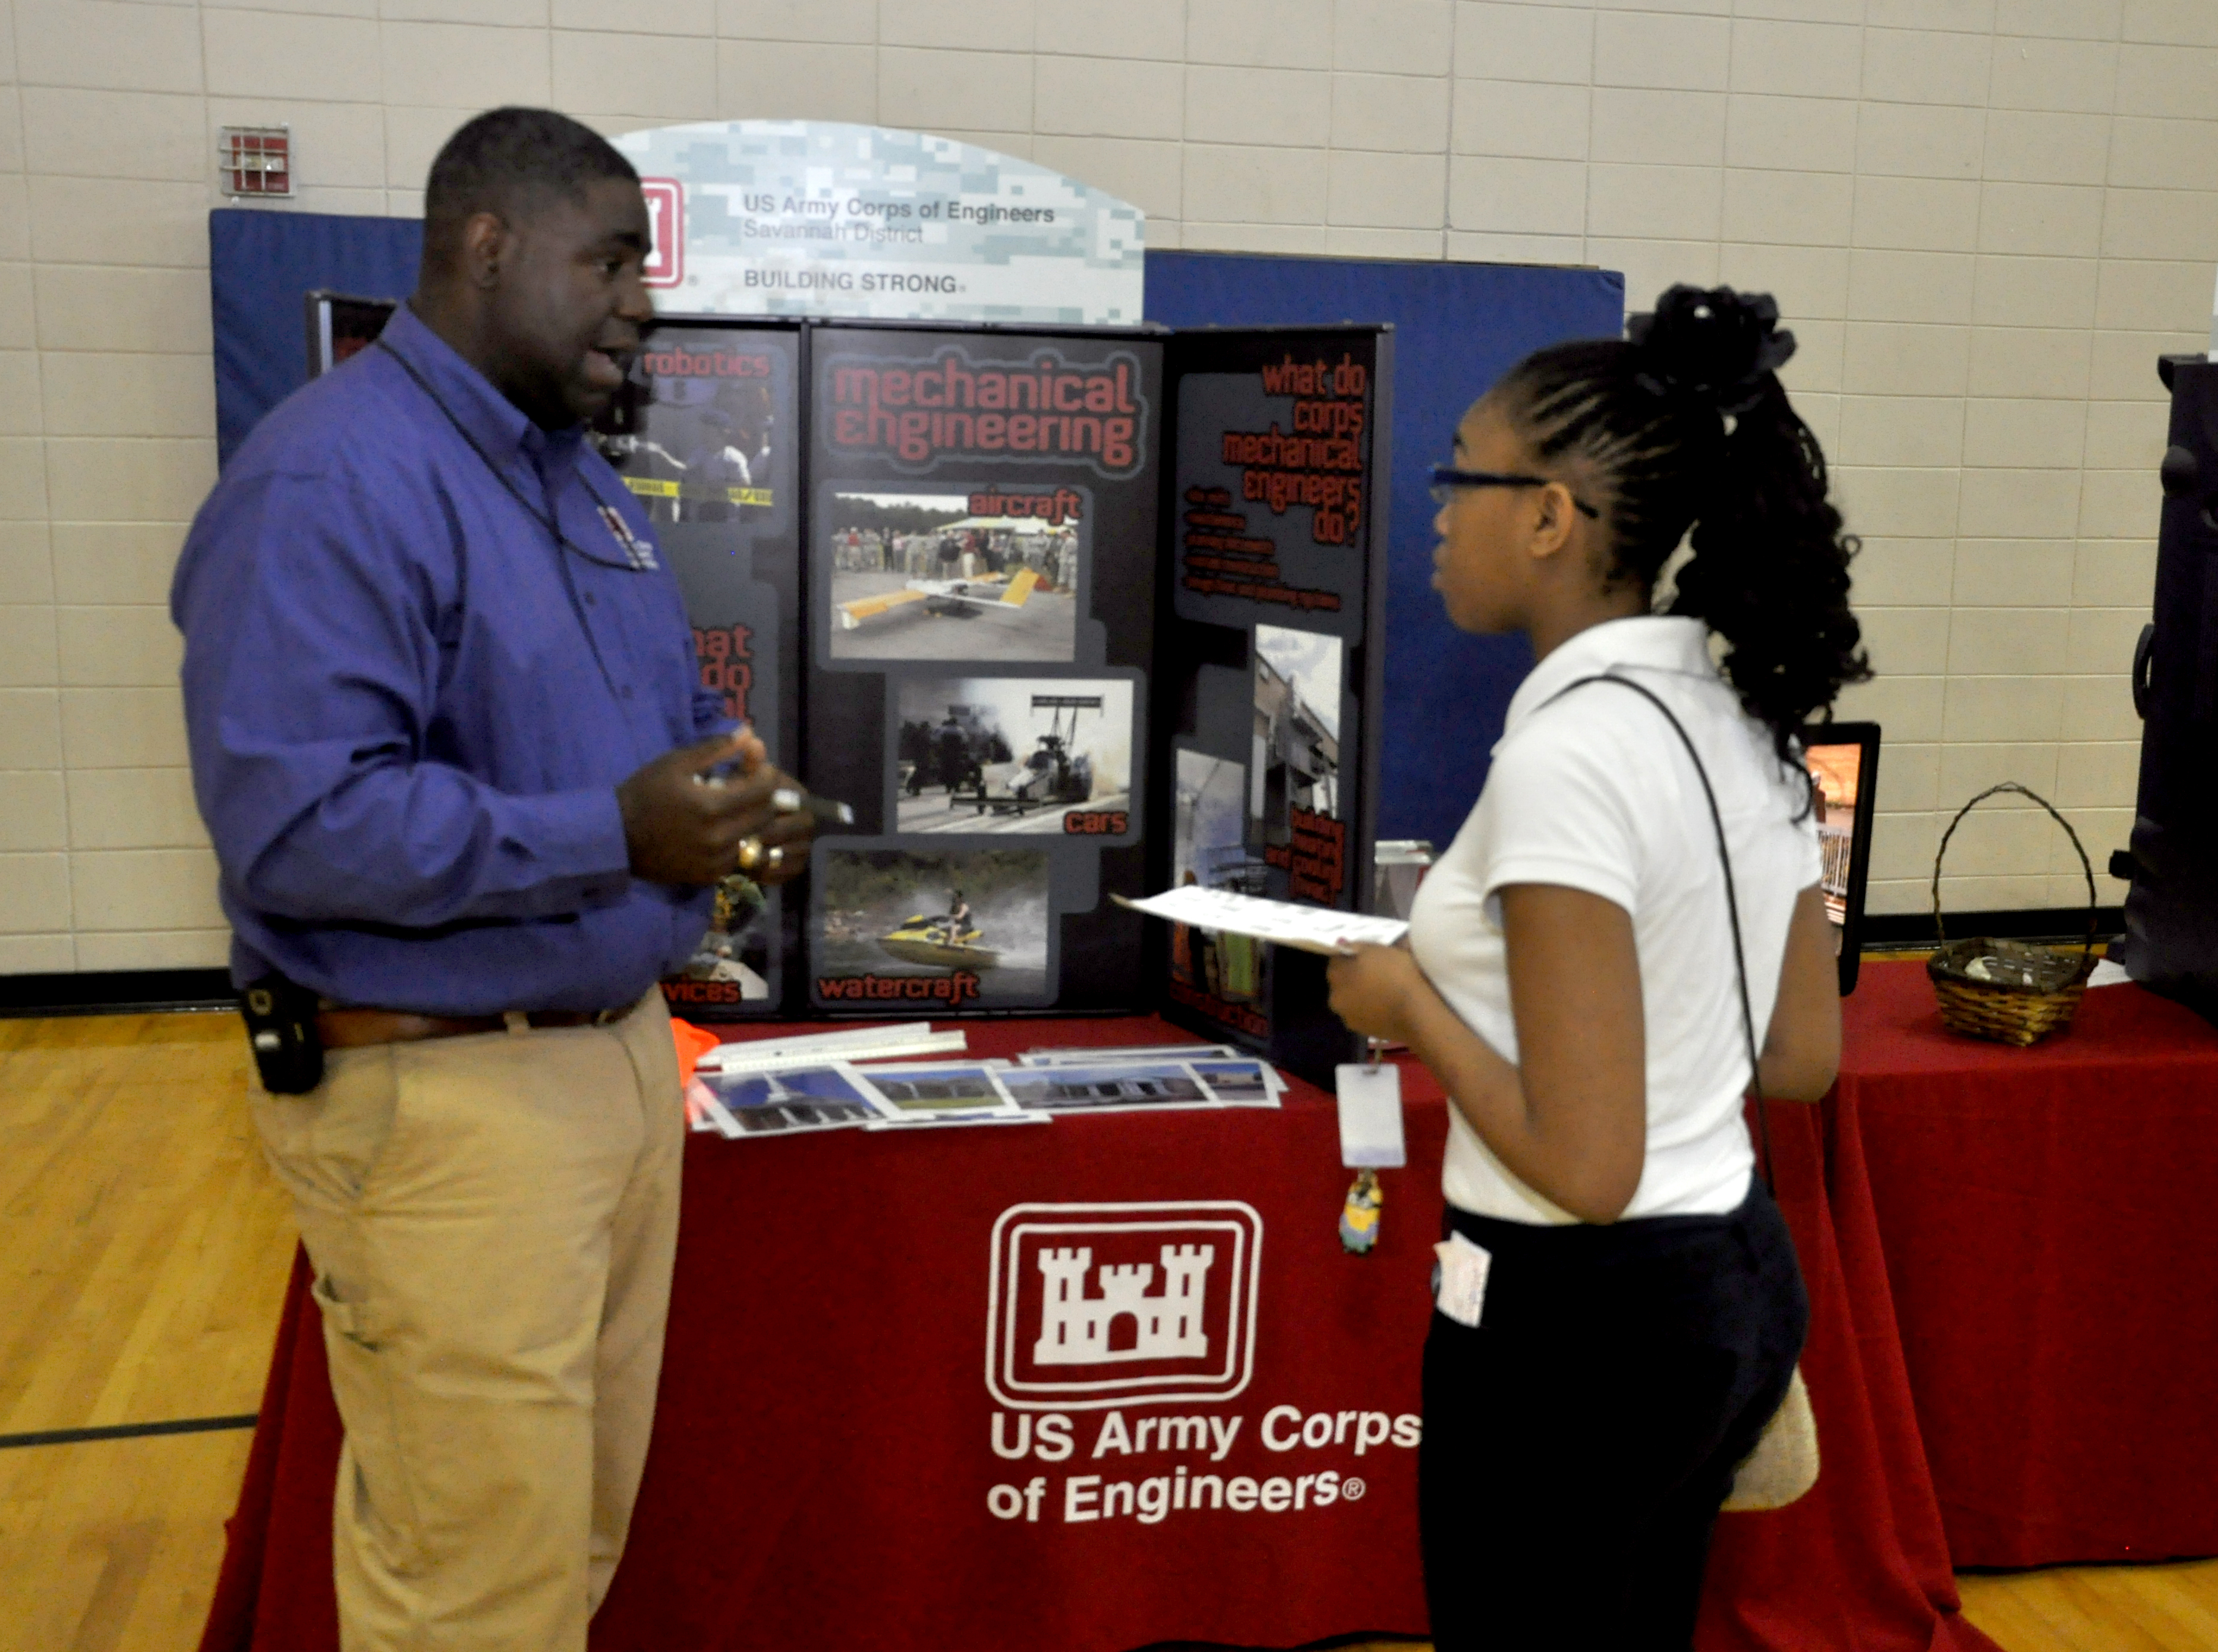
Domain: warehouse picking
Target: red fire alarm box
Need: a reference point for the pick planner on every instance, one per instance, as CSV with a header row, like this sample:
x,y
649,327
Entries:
x,y
255,161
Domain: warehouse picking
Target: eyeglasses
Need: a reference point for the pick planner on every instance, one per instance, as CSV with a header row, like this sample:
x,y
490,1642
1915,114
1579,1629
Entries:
x,y
1447,479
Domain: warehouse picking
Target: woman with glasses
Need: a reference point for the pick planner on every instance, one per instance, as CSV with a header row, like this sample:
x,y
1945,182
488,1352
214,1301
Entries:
x,y
1619,1311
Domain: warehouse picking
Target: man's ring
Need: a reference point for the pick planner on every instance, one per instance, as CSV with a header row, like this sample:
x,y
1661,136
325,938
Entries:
x,y
751,854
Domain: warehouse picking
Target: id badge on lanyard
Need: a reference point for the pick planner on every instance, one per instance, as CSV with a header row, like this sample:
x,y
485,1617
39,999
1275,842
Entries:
x,y
1369,1096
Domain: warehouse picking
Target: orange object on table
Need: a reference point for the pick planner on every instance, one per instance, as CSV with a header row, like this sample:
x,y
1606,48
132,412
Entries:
x,y
693,1043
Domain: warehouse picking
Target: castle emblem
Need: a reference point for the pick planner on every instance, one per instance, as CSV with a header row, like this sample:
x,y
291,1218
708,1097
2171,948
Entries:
x,y
1076,1329
1140,1303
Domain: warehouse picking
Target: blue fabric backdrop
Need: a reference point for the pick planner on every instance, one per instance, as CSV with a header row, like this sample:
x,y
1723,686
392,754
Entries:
x,y
1457,327
262,265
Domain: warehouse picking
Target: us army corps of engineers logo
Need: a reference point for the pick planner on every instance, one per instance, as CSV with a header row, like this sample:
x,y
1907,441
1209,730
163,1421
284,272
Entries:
x,y
1091,1306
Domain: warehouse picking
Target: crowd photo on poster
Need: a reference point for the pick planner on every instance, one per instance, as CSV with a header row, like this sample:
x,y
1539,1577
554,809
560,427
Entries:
x,y
695,433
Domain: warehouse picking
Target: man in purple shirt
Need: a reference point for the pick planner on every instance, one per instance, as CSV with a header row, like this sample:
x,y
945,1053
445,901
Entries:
x,y
469,801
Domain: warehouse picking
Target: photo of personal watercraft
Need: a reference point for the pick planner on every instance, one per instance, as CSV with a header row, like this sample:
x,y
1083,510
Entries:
x,y
935,941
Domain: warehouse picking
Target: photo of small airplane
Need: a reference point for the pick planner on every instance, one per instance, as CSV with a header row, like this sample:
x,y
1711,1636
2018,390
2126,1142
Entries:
x,y
962,598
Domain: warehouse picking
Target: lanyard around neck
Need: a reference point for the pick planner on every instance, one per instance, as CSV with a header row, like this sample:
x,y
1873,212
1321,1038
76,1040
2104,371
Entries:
x,y
562,541
542,518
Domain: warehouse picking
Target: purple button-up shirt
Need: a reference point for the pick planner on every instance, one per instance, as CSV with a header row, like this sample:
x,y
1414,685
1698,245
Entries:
x,y
409,708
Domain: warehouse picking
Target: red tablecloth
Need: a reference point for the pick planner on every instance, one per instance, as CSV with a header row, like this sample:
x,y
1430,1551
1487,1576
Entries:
x,y
825,1461
2050,1223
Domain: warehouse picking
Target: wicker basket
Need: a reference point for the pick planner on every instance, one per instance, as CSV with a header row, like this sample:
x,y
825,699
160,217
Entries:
x,y
2012,992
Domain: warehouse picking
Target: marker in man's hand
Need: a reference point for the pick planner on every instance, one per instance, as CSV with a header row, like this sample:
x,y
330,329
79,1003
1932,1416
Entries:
x,y
790,800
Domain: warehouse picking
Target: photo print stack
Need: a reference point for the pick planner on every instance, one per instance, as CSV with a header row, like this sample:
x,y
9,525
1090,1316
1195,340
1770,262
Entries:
x,y
809,1094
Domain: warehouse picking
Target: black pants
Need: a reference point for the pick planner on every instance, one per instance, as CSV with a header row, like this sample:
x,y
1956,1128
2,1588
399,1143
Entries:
x,y
1579,1440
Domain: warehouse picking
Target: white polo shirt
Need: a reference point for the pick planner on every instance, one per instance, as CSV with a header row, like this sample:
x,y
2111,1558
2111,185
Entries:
x,y
1594,792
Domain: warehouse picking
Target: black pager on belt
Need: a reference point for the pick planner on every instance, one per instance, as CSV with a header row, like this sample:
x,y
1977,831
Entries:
x,y
281,1031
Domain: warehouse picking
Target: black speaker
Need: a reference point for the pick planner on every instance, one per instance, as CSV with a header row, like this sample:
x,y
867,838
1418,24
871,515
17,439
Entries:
x,y
2170,943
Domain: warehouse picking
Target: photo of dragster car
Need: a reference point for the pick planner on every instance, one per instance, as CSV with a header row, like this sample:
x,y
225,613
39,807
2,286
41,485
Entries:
x,y
1053,774
992,593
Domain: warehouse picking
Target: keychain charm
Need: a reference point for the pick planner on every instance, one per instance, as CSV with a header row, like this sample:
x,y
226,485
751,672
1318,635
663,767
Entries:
x,y
1359,1216
1370,1102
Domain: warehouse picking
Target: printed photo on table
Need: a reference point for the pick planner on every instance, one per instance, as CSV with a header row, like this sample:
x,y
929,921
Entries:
x,y
921,576
955,1086
1243,1084
913,932
1109,1086
1014,754
1093,1054
803,1099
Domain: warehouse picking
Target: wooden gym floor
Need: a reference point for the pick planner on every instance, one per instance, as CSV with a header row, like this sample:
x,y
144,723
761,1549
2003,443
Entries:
x,y
143,1256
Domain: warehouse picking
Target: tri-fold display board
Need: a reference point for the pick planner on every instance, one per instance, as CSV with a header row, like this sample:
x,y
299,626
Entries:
x,y
1061,616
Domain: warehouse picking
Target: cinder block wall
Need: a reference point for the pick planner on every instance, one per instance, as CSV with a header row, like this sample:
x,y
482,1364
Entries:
x,y
1984,218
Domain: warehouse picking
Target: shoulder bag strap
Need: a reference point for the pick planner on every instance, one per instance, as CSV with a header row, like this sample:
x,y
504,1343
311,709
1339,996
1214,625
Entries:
x,y
1732,898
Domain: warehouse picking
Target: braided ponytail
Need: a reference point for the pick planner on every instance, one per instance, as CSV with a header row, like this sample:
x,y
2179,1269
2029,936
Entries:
x,y
1684,424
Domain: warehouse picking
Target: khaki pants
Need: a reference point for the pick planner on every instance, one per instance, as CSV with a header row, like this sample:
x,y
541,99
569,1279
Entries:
x,y
492,1220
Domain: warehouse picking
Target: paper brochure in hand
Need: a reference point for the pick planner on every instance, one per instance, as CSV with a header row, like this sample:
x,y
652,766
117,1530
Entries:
x,y
1282,923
